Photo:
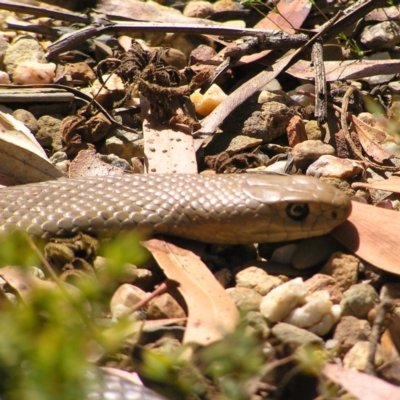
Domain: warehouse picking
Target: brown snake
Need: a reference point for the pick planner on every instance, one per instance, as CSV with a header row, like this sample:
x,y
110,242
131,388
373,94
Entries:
x,y
245,208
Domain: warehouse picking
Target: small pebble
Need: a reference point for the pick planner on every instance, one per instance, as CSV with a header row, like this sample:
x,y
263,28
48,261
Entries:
x,y
307,152
198,9
325,282
257,279
383,35
4,78
124,145
343,268
293,337
31,72
333,167
349,331
357,357
205,104
313,251
124,298
358,300
27,119
316,306
112,91
269,123
301,98
279,302
296,131
164,306
24,48
245,299
313,130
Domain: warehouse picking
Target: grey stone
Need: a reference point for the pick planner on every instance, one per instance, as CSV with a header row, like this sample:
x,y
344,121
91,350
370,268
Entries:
x,y
293,337
25,48
381,36
359,300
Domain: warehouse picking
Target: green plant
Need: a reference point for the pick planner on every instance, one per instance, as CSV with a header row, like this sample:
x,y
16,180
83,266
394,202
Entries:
x,y
351,44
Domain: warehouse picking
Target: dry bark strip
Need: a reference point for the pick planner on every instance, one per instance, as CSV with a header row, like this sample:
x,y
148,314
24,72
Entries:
x,y
167,150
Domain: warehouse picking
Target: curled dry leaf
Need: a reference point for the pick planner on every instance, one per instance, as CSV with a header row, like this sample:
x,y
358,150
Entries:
x,y
23,159
372,233
212,312
361,385
370,137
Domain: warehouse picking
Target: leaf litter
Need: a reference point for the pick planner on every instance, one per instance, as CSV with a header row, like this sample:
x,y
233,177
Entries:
x,y
138,109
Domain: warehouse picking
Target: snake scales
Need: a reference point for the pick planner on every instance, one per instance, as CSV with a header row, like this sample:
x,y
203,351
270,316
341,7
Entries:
x,y
245,208
223,209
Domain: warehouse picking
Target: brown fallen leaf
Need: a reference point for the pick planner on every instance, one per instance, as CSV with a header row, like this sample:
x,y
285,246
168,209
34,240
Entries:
x,y
147,11
373,234
361,385
370,137
212,312
342,70
392,184
294,13
86,164
167,150
291,16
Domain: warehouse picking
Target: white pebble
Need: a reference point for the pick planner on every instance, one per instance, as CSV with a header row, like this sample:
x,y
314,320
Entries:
x,y
4,77
31,72
278,303
317,305
327,322
301,98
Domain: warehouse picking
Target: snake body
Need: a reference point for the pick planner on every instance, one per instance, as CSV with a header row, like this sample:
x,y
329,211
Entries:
x,y
245,208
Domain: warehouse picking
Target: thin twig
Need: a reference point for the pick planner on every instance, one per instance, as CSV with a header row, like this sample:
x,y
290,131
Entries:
x,y
72,40
43,12
376,333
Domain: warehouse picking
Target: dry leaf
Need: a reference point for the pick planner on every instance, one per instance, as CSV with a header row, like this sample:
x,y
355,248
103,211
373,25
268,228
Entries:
x,y
361,385
291,16
369,138
24,282
295,13
342,70
22,157
373,234
212,312
392,184
148,11
86,163
167,150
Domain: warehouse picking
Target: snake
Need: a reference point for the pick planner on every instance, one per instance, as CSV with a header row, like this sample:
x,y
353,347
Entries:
x,y
224,209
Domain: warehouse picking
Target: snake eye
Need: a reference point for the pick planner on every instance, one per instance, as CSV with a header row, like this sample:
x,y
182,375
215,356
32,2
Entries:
x,y
297,211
